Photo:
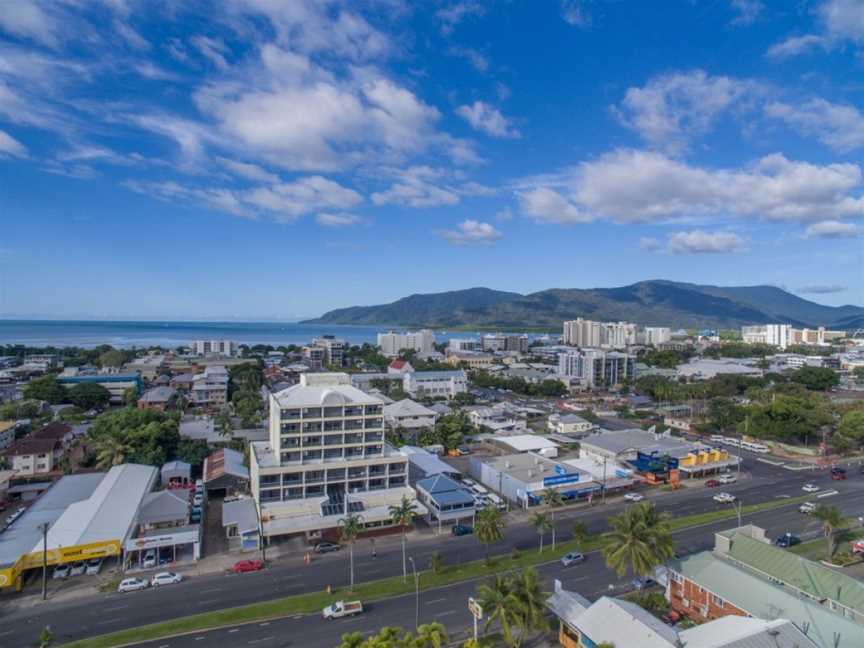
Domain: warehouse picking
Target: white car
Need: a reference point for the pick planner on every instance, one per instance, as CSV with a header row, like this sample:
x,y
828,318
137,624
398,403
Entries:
x,y
808,508
150,559
78,568
724,498
810,488
94,566
634,497
132,585
165,578
727,479
61,571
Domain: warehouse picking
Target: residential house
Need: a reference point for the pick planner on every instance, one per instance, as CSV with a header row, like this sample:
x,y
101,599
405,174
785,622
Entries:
x,y
409,415
399,366
435,384
446,500
158,399
571,424
210,388
38,452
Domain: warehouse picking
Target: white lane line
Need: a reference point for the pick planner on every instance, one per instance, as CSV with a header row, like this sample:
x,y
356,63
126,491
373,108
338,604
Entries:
x,y
441,600
200,638
212,589
207,601
3,634
115,608
255,641
443,614
266,623
581,578
164,645
106,622
234,630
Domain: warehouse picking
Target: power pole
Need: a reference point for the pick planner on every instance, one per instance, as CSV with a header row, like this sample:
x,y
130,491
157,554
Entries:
x,y
44,528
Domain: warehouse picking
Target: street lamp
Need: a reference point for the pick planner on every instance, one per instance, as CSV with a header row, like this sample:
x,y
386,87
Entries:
x,y
416,594
44,529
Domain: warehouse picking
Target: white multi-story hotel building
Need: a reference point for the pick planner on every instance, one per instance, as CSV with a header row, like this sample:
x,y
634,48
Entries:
x,y
657,335
420,341
214,347
585,333
326,455
783,335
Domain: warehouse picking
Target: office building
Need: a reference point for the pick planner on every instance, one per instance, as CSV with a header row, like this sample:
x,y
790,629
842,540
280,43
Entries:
x,y
783,335
225,348
391,343
326,455
117,384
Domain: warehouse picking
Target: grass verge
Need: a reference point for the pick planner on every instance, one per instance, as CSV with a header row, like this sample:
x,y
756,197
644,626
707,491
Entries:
x,y
389,587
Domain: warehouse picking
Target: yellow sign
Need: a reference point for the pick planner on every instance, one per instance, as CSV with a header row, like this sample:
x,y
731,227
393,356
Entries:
x,y
73,553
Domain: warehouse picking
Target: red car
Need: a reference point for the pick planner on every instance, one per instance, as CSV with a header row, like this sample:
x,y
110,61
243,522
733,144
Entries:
x,y
712,483
247,566
838,475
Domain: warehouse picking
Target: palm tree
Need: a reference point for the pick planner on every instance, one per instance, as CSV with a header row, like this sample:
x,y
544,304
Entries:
x,y
831,519
540,521
552,499
639,540
349,528
533,602
580,534
352,640
500,602
111,451
431,635
436,562
46,638
402,514
489,528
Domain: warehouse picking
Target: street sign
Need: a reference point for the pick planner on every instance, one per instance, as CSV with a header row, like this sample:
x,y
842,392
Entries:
x,y
475,608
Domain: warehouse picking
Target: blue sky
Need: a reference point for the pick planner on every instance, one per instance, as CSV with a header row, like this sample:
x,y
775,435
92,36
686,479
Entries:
x,y
275,159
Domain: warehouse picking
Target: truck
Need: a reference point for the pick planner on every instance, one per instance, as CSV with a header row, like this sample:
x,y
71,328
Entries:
x,y
342,609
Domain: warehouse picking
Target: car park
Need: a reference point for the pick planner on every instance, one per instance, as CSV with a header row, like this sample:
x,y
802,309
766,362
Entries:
x,y
807,508
165,578
132,585
243,566
461,529
634,497
572,558
77,569
94,566
712,483
61,571
787,540
150,559
326,547
724,498
810,488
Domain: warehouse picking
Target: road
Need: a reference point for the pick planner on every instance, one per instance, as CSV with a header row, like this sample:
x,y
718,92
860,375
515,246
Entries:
x,y
110,612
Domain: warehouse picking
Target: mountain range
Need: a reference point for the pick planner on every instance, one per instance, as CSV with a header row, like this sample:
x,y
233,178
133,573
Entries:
x,y
650,303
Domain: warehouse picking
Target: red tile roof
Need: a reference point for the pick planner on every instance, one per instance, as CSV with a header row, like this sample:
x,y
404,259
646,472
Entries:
x,y
398,363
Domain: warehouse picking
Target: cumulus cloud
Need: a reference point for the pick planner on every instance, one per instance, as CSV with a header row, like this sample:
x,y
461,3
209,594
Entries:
x,y
629,186
426,186
821,289
841,127
702,242
487,118
838,22
832,229
671,109
548,206
471,232
10,146
341,219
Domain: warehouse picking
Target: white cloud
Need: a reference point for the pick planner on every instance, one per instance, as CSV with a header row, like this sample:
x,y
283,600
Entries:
x,y
832,229
471,232
702,242
28,19
828,289
838,21
573,12
476,58
795,45
487,118
747,11
416,187
10,146
548,206
840,127
340,219
671,109
248,171
456,12
505,214
649,243
213,49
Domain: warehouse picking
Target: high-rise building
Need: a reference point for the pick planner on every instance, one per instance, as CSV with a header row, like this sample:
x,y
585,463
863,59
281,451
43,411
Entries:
x,y
334,350
783,335
465,344
657,335
225,348
392,343
502,342
597,368
326,455
313,356
587,333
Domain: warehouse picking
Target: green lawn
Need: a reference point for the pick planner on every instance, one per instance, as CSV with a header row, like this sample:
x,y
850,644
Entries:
x,y
389,587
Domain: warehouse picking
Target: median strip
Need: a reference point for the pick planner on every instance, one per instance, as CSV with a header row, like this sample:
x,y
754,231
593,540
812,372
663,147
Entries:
x,y
386,588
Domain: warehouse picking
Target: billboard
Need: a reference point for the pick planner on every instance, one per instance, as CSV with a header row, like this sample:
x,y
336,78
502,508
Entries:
x,y
557,480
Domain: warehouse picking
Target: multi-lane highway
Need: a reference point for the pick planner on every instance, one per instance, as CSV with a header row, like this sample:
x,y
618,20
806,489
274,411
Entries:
x,y
105,613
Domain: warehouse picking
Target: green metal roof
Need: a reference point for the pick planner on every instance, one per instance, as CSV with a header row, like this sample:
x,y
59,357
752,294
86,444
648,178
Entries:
x,y
811,577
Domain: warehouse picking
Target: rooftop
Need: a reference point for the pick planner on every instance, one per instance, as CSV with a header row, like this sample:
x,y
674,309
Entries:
x,y
158,395
429,463
407,407
241,512
324,389
163,506
527,442
445,491
225,462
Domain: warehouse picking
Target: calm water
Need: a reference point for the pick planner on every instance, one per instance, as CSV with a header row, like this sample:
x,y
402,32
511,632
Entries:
x,y
172,334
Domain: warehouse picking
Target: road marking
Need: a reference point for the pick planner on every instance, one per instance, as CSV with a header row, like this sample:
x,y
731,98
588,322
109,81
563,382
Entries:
x,y
164,645
234,630
266,623
200,638
581,578
3,634
447,613
441,600
296,616
214,589
106,622
827,493
114,609
207,601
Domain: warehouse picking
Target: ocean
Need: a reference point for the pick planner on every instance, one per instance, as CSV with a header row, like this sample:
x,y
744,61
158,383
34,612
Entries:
x,y
123,334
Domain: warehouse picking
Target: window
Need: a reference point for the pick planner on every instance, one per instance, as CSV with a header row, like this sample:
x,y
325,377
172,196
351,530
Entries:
x,y
716,600
676,577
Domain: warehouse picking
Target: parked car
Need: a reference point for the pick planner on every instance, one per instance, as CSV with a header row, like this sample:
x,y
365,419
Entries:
x,y
61,571
326,547
150,559
643,583
461,530
165,578
572,558
808,508
94,566
77,569
634,497
342,609
810,488
671,618
132,585
728,478
244,566
198,500
712,483
464,449
787,540
838,474
724,498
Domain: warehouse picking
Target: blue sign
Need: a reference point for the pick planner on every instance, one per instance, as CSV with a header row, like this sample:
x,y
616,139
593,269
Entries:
x,y
561,479
559,470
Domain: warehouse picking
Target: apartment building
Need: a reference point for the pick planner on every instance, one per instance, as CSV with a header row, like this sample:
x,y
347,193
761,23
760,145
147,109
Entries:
x,y
392,343
326,455
313,357
783,335
225,348
435,384
334,350
38,452
594,368
210,388
465,344
586,333
657,335
502,342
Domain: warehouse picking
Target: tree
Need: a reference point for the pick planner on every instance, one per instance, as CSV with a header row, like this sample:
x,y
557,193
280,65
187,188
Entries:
x,y
532,616
88,396
46,389
724,413
858,372
431,635
552,499
111,451
147,437
350,527
436,562
46,638
816,378
402,515
489,528
223,423
112,358
193,451
580,534
540,521
130,396
832,519
639,540
500,603
850,432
